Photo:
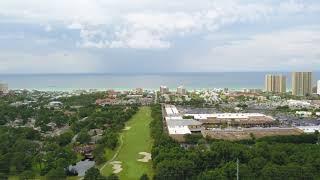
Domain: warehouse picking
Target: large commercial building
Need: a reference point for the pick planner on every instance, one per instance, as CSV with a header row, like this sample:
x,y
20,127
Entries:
x,y
245,120
318,88
230,126
301,83
275,83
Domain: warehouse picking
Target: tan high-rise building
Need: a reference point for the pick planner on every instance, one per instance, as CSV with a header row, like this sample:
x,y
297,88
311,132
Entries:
x,y
301,83
164,89
275,83
4,88
181,90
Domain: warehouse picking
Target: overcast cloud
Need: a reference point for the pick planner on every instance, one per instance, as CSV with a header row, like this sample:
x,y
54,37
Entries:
x,y
81,36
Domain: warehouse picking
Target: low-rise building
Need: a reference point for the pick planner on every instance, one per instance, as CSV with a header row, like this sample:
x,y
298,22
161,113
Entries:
x,y
231,126
139,91
258,91
303,113
234,119
309,129
106,101
55,104
298,104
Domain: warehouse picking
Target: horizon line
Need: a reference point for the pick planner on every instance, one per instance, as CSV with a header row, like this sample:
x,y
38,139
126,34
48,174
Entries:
x,y
157,73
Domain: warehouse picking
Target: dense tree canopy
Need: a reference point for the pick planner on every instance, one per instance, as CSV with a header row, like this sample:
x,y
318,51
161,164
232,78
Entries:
x,y
49,150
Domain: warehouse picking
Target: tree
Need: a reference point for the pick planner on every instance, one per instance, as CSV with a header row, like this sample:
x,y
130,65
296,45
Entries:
x,y
21,162
175,169
56,174
110,139
192,138
112,177
144,177
271,171
3,176
4,168
65,138
213,174
27,175
83,137
256,165
93,174
98,154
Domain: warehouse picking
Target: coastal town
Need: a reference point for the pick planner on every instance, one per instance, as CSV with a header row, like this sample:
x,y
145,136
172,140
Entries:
x,y
223,110
85,124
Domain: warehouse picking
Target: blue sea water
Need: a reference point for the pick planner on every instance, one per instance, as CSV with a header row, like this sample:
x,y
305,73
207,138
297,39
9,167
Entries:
x,y
67,82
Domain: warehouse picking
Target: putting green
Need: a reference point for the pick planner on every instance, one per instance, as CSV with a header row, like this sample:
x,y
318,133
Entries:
x,y
134,140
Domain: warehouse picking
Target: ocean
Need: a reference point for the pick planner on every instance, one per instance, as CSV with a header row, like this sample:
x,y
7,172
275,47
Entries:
x,y
151,81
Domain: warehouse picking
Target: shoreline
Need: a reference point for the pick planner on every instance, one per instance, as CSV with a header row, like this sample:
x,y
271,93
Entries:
x,y
119,89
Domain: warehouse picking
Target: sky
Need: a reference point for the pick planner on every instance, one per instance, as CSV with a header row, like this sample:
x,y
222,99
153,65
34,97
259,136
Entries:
x,y
143,36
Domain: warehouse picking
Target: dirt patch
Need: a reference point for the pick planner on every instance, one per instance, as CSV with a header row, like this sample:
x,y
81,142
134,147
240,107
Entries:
x,y
146,158
116,166
127,128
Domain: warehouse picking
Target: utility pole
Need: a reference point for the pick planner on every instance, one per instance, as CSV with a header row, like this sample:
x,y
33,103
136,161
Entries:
x,y
237,168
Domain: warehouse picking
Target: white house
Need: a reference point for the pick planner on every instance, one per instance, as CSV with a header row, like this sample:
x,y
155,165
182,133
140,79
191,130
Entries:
x,y
309,129
55,104
298,104
303,113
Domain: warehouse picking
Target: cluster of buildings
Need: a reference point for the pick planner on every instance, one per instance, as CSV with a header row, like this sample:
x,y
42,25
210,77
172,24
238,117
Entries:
x,y
179,95
180,90
301,83
137,96
230,126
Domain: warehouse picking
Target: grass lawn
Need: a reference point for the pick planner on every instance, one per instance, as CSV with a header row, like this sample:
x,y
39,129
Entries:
x,y
136,139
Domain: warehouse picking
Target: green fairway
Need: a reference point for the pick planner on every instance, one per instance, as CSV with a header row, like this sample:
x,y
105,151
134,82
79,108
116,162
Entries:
x,y
133,141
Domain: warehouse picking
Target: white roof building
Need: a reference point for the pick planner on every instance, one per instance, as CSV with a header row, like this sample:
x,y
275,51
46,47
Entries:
x,y
304,113
309,129
297,103
226,115
179,130
55,103
171,110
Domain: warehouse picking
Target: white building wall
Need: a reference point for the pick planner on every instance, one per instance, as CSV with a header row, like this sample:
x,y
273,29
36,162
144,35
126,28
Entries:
x,y
318,88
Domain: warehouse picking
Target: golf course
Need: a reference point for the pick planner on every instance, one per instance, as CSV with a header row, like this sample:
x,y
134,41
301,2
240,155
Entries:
x,y
132,158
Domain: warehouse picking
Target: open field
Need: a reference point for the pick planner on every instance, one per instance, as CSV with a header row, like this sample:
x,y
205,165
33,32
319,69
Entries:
x,y
135,139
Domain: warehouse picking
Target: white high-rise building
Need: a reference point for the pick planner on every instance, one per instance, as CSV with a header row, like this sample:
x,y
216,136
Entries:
x,y
164,89
318,88
4,88
181,90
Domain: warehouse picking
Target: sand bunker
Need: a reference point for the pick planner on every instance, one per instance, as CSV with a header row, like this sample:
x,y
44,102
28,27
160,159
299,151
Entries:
x,y
146,158
127,128
116,166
